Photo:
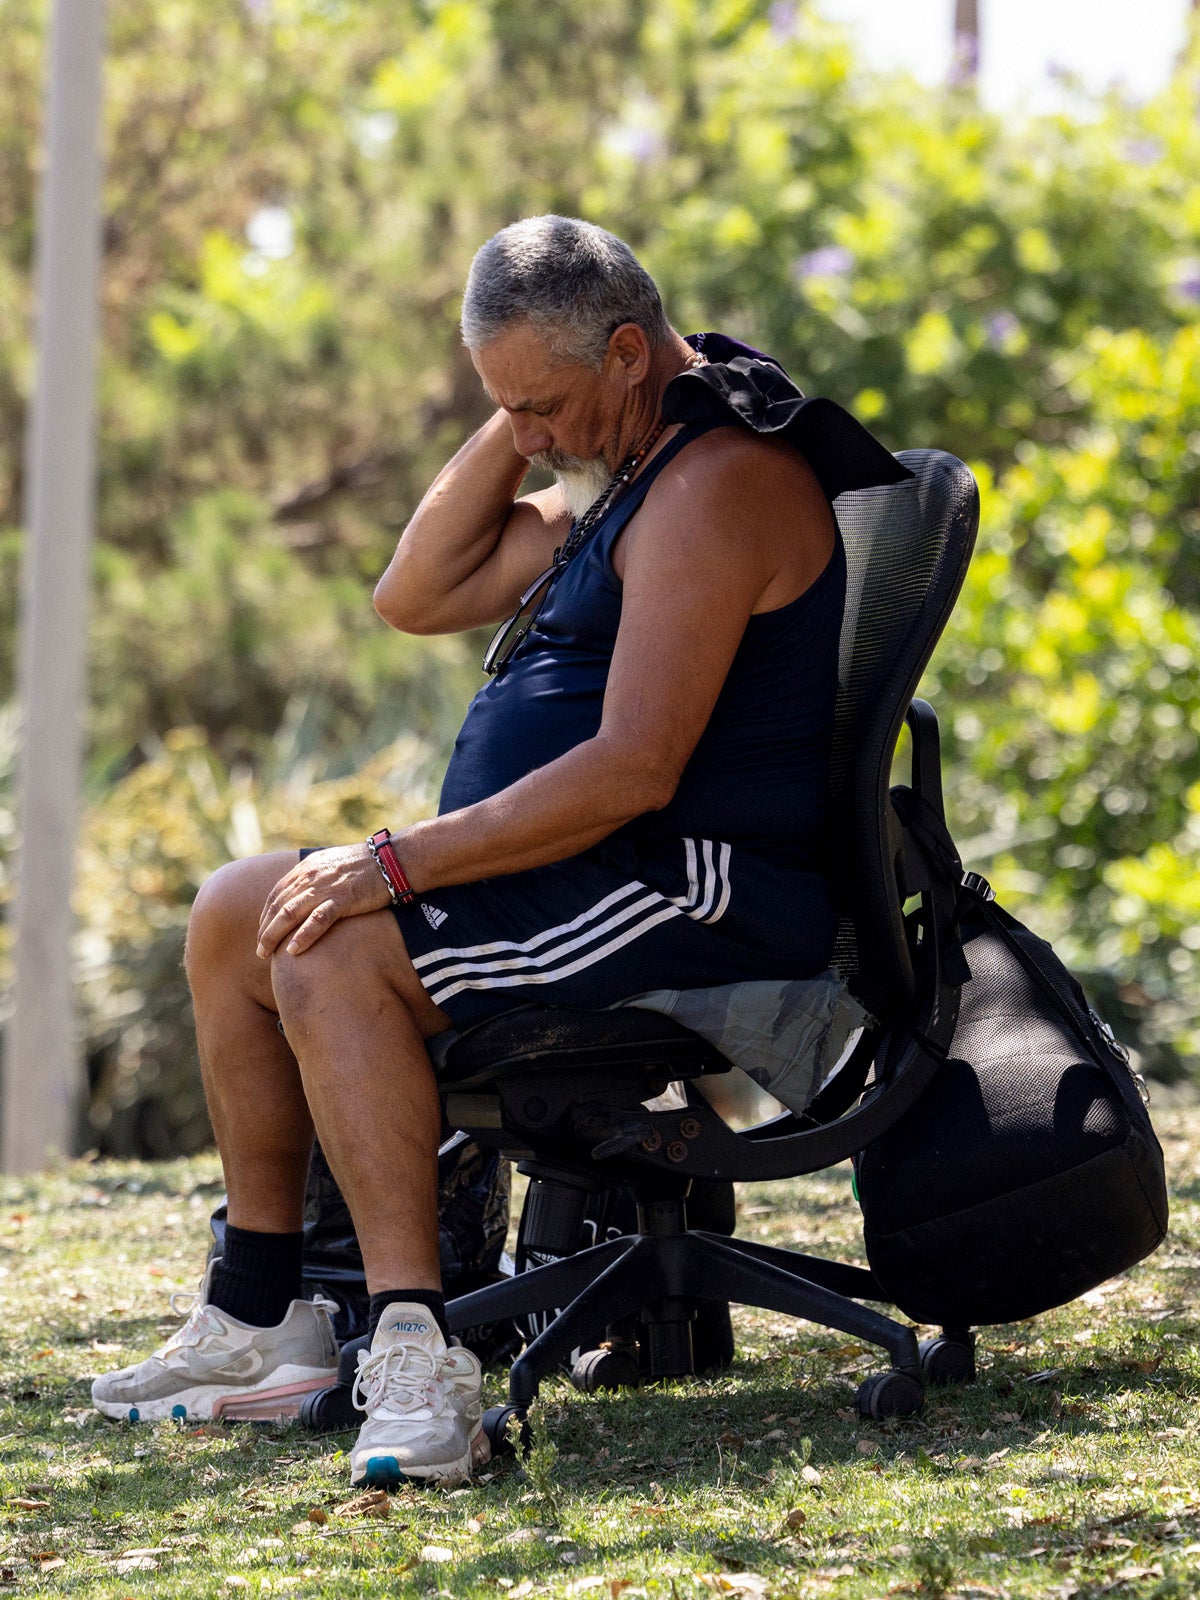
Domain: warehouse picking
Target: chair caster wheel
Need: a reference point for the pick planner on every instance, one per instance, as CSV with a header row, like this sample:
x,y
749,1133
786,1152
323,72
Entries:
x,y
329,1410
499,1428
891,1394
947,1360
605,1369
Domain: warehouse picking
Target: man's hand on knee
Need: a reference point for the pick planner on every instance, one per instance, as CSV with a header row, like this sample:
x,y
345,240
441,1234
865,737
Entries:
x,y
318,892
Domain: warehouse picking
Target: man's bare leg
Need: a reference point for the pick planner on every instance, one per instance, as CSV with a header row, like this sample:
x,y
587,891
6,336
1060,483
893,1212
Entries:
x,y
354,1013
356,1016
256,1102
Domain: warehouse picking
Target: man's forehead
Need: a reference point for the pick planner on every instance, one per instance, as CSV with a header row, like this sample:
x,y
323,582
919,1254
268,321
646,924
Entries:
x,y
519,370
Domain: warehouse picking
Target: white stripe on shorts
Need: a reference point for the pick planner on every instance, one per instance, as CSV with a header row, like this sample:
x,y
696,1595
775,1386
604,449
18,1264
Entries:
x,y
513,980
723,877
697,902
435,958
532,963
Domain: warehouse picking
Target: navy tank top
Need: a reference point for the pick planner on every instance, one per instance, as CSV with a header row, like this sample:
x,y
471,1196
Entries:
x,y
759,775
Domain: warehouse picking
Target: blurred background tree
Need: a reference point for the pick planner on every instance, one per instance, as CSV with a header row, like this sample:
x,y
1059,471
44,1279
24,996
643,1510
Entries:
x,y
295,189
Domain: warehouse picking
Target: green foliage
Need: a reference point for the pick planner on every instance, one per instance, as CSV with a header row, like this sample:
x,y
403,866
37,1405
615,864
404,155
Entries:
x,y
1073,667
293,195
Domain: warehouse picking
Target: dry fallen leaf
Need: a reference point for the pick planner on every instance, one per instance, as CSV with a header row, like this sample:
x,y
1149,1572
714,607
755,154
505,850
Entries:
x,y
136,1561
318,1514
475,1524
48,1563
811,1476
867,1447
372,1503
20,1503
749,1583
795,1519
436,1552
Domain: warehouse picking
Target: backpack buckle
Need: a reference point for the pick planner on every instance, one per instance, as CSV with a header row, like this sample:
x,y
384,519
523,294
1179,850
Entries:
x,y
977,884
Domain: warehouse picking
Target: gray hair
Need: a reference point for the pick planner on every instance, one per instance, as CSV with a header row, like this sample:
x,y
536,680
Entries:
x,y
573,281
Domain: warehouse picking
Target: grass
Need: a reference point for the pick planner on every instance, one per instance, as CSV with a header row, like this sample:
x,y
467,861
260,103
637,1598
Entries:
x,y
1071,1469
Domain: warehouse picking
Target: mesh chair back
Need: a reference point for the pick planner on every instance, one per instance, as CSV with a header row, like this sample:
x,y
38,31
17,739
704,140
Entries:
x,y
907,550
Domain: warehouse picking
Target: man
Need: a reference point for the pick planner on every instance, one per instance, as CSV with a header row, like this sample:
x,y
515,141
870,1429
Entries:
x,y
637,798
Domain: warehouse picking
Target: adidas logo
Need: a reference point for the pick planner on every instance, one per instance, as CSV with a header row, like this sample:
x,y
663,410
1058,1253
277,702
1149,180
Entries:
x,y
433,916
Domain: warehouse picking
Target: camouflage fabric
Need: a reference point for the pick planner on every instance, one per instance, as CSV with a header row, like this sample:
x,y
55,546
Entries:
x,y
787,1036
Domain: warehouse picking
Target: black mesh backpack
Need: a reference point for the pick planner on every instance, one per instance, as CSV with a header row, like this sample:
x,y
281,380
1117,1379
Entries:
x,y
1028,1172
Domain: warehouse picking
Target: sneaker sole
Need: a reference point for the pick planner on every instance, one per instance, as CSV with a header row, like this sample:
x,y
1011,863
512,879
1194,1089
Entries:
x,y
206,1403
382,1471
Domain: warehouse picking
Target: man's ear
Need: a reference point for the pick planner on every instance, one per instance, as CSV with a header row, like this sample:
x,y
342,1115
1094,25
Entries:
x,y
629,349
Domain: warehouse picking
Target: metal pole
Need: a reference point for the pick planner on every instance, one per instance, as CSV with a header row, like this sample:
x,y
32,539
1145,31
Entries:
x,y
42,1078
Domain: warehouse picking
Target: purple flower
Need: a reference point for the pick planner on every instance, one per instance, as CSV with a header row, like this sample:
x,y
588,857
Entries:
x,y
784,17
830,261
1000,328
1143,152
1187,282
644,144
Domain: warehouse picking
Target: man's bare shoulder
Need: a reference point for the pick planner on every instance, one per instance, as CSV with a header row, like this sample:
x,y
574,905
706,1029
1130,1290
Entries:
x,y
738,507
760,471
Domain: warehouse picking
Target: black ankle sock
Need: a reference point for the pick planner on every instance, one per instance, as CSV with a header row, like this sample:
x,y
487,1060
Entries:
x,y
435,1302
258,1276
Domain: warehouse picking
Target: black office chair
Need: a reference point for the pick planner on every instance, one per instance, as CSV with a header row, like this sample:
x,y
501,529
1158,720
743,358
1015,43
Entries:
x,y
565,1092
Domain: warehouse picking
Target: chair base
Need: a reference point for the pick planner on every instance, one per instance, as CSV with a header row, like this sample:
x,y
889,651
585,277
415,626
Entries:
x,y
600,1288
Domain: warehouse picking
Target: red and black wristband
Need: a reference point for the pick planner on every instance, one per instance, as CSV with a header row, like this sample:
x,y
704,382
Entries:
x,y
386,859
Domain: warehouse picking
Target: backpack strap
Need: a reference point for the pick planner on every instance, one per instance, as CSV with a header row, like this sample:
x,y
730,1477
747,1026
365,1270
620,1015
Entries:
x,y
931,863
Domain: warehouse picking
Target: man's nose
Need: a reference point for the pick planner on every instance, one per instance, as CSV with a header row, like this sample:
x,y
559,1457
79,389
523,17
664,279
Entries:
x,y
530,435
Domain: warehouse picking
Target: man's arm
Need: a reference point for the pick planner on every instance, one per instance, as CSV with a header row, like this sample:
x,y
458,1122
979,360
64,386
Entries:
x,y
472,547
712,545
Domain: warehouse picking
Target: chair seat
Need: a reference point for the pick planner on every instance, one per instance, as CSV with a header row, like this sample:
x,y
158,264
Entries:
x,y
537,1038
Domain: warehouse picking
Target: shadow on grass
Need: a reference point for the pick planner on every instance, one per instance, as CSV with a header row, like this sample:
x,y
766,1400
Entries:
x,y
699,1437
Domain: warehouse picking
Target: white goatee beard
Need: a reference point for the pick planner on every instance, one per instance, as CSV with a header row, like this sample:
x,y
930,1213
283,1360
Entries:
x,y
580,481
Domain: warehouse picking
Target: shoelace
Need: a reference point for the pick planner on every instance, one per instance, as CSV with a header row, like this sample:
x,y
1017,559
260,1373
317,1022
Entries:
x,y
199,1324
401,1378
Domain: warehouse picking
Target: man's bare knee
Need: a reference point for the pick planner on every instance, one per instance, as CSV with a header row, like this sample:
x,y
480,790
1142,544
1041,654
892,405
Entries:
x,y
343,965
223,924
360,963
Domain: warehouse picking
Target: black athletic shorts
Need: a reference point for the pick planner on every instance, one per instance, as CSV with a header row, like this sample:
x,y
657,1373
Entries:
x,y
616,921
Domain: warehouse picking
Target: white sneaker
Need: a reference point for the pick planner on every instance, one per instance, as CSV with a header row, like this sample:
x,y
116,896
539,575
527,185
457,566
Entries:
x,y
423,1404
219,1369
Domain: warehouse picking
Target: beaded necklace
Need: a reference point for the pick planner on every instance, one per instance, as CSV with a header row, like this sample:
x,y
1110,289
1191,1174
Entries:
x,y
513,632
584,525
